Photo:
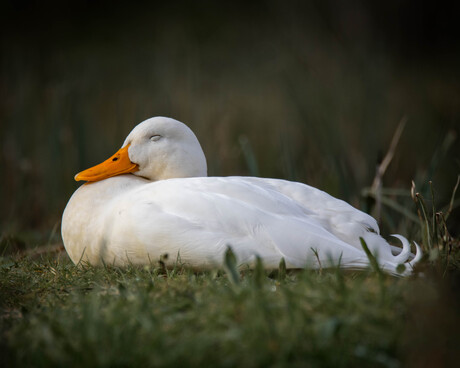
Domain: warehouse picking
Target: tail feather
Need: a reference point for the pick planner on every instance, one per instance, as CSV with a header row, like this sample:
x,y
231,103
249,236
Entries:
x,y
418,255
405,252
389,262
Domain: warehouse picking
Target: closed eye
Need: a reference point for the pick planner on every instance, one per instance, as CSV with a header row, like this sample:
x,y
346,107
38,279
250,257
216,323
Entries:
x,y
154,138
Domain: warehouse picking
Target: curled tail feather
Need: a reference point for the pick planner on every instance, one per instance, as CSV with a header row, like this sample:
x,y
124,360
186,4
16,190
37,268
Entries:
x,y
389,262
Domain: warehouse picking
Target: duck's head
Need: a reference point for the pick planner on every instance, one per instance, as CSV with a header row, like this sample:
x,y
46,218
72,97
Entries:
x,y
156,149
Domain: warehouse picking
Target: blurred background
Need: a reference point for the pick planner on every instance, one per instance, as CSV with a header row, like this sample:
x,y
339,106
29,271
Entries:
x,y
302,90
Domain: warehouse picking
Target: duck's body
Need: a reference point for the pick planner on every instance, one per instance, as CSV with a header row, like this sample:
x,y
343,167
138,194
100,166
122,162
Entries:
x,y
132,219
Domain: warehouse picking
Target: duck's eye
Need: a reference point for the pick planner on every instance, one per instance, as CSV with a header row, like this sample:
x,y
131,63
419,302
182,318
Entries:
x,y
154,138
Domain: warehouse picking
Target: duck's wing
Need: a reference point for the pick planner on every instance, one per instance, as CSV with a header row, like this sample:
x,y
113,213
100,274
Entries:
x,y
337,216
345,222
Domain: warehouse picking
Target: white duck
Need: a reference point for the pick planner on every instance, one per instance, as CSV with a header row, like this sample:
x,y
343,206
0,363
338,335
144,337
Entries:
x,y
153,197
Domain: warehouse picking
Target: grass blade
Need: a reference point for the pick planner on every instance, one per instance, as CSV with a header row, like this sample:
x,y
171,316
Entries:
x,y
230,264
451,203
372,260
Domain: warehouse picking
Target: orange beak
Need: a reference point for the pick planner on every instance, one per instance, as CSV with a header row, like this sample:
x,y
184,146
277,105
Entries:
x,y
118,164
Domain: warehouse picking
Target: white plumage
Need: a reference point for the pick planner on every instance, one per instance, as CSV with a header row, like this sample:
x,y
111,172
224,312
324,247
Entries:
x,y
163,203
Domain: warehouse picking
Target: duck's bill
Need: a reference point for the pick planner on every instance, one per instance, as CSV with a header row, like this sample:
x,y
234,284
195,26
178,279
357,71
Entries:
x,y
118,164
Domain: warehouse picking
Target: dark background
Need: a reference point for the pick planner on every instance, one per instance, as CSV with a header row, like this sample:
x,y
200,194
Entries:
x,y
303,90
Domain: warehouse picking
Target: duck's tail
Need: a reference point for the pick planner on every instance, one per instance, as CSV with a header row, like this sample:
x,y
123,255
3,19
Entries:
x,y
387,259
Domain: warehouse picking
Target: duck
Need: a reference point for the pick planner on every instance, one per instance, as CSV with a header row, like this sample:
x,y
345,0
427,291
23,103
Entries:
x,y
153,200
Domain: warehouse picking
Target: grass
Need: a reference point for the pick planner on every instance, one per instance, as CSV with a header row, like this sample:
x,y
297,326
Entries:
x,y
56,314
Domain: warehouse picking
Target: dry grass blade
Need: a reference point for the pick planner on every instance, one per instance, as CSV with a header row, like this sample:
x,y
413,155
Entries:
x,y
451,203
377,183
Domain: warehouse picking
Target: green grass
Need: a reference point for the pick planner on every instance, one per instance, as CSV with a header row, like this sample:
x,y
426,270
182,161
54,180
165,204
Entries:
x,y
56,314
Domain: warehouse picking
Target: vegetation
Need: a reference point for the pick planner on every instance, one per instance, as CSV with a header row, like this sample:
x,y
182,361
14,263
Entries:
x,y
55,314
